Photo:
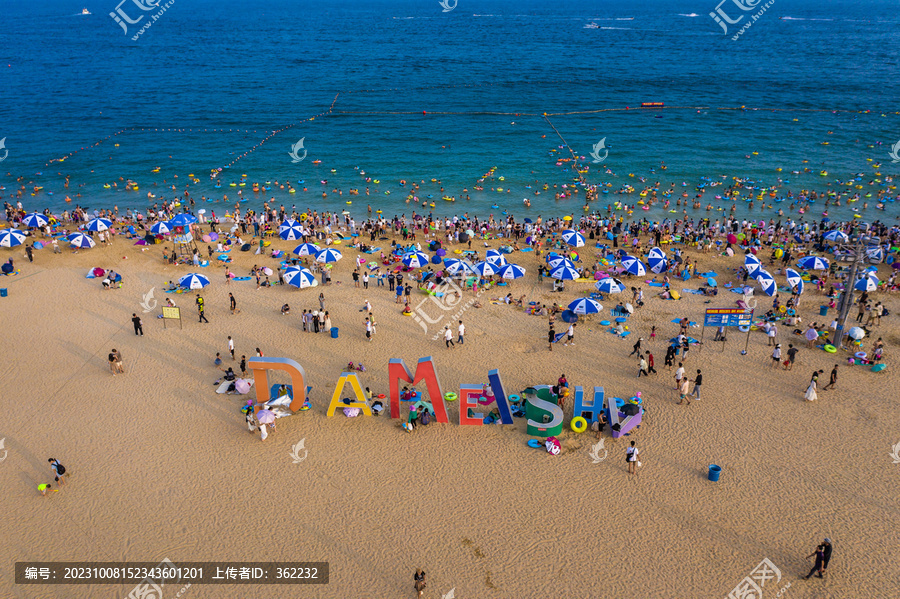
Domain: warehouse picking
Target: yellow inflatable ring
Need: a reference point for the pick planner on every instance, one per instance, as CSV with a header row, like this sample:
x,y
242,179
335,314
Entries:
x,y
407,313
450,396
830,349
782,309
578,424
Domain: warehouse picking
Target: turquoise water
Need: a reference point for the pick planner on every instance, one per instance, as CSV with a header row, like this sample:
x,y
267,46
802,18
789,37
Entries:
x,y
209,81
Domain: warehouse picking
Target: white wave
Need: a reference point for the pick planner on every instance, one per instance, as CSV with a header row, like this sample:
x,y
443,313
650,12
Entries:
x,y
693,14
803,19
619,28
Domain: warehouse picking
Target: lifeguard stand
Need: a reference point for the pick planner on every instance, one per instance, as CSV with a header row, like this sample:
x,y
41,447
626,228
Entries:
x,y
184,244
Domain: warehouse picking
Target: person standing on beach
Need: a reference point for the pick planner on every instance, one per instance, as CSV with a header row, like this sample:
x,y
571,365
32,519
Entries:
x,y
650,367
570,335
551,336
231,346
670,357
679,374
233,302
832,381
368,329
243,366
826,557
698,381
138,325
810,394
683,391
631,454
772,333
462,332
448,337
59,471
776,356
419,582
642,367
818,566
201,308
792,356
636,348
321,301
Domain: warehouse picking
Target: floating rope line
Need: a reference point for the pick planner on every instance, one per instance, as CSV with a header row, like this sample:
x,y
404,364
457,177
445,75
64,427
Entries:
x,y
566,144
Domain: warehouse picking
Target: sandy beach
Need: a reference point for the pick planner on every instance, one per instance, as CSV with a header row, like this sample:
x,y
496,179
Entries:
x,y
163,467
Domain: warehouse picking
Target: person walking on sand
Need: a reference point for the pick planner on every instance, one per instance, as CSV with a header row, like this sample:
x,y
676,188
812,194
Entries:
x,y
776,356
448,337
243,366
642,367
234,309
679,374
791,357
368,329
201,308
832,381
826,554
231,346
570,335
810,394
59,471
650,367
462,332
820,560
419,582
631,455
321,301
698,381
138,325
636,348
683,391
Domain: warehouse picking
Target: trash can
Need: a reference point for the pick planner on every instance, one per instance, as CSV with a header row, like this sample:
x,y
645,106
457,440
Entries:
x,y
3,292
334,332
823,310
714,472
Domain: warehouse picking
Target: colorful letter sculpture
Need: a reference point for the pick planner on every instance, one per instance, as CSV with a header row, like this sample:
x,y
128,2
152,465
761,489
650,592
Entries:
x,y
359,400
425,370
541,403
500,397
260,368
624,426
589,411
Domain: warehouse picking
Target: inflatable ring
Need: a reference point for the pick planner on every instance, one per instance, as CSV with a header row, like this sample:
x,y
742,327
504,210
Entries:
x,y
744,329
578,424
450,396
830,349
861,355
407,313
514,398
782,309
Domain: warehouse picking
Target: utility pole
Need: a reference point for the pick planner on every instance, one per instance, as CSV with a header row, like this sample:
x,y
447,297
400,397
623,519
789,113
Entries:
x,y
847,296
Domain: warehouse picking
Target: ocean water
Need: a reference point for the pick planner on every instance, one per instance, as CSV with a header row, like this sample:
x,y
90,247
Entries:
x,y
420,94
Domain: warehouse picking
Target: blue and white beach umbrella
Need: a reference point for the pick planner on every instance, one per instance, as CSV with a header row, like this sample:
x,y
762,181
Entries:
x,y
306,249
875,255
752,264
486,269
565,273
557,261
813,263
79,240
193,281
837,236
634,266
573,238
300,278
496,258
609,285
455,266
511,271
290,229
794,279
767,283
416,260
657,253
657,261
328,255
99,224
585,306
867,283
182,220
11,238
35,219
160,228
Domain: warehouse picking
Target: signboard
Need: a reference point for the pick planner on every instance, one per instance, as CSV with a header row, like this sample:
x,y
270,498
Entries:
x,y
728,317
171,312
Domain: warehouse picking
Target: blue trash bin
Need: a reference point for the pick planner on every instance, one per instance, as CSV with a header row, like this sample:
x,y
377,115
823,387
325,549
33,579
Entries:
x,y
3,292
714,472
334,332
823,310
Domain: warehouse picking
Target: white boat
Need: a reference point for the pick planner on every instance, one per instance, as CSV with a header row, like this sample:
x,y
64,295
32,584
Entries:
x,y
85,11
592,26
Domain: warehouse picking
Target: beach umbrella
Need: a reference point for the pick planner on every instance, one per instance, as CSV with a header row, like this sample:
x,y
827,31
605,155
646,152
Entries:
x,y
585,306
455,266
767,283
182,220
11,238
634,266
290,229
99,224
731,238
875,255
486,269
328,255
837,236
306,249
193,281
299,277
160,228
869,283
609,285
496,258
511,271
35,219
656,253
813,263
242,386
856,333
416,260
573,238
657,261
752,264
630,409
265,416
794,279
568,316
79,240
557,261
565,273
